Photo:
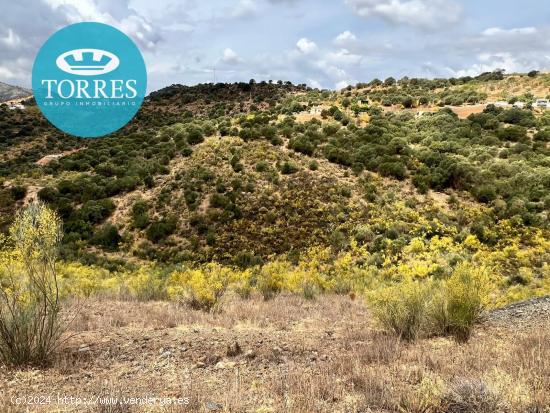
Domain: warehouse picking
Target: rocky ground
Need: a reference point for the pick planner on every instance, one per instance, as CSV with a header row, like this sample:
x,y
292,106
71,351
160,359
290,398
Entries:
x,y
522,314
284,355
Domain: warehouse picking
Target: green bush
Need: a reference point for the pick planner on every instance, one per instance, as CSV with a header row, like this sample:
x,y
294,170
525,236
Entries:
x,y
313,165
458,304
421,308
402,308
18,192
107,237
161,229
288,168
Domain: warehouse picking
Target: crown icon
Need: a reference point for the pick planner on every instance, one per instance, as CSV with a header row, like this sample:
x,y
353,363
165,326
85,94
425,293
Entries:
x,y
87,62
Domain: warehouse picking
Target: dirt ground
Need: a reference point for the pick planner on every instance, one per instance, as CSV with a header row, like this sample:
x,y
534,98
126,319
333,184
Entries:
x,y
284,355
464,111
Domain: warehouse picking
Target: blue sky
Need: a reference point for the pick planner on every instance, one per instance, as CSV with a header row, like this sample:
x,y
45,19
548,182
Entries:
x,y
326,44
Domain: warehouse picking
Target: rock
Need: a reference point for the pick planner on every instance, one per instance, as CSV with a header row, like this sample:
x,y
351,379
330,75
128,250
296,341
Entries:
x,y
200,365
166,354
213,406
221,365
84,348
234,350
250,354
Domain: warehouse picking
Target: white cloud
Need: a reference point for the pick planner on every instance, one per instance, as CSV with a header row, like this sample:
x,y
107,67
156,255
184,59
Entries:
x,y
345,39
497,31
230,57
487,62
330,70
6,73
341,84
12,40
516,41
306,46
423,14
244,8
314,84
134,25
343,56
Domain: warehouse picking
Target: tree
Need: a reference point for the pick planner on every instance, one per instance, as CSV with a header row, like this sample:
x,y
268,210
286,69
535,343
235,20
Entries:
x,y
107,237
407,102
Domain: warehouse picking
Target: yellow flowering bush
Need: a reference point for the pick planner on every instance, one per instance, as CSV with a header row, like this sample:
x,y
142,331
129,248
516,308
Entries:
x,y
460,300
412,307
83,281
145,283
201,287
30,324
271,278
402,307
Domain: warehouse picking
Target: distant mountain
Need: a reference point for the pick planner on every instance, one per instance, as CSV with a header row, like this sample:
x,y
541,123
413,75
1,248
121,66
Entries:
x,y
9,92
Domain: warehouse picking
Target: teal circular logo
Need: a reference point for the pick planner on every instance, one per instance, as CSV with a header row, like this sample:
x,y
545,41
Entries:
x,y
89,79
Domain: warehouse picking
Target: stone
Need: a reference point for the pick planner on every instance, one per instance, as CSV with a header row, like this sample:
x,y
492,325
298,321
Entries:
x,y
84,348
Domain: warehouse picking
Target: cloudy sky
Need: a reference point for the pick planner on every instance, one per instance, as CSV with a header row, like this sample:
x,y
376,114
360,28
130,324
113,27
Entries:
x,y
324,43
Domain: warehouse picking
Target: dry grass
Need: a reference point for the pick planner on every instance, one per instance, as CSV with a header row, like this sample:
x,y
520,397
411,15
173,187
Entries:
x,y
293,355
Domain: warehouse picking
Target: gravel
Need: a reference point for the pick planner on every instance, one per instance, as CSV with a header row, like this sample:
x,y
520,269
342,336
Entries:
x,y
524,313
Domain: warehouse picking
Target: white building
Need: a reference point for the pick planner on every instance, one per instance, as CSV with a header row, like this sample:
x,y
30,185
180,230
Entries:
x,y
14,106
519,105
542,103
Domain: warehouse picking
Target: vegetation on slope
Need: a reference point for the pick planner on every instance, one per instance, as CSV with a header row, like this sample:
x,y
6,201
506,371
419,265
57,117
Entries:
x,y
245,176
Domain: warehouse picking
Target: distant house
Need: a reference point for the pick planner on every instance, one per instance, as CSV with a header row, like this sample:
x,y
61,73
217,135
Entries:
x,y
14,106
542,103
519,104
317,110
501,104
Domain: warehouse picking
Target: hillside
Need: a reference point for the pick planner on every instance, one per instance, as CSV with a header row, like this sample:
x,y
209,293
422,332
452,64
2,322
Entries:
x,y
266,247
8,92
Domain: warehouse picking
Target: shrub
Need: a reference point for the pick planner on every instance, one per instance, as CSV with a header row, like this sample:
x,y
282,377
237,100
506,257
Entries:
x,y
271,278
146,284
466,395
18,192
85,280
107,237
313,165
161,229
402,308
195,136
289,168
30,325
262,166
460,302
201,288
140,214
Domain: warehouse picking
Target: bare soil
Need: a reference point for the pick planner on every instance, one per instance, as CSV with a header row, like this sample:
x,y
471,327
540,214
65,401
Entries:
x,y
284,355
